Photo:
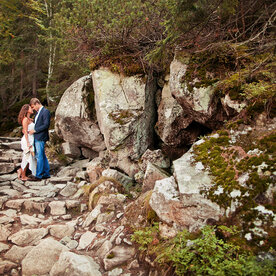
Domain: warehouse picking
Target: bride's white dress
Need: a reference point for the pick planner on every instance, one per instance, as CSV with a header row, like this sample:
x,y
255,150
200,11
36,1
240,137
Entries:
x,y
27,157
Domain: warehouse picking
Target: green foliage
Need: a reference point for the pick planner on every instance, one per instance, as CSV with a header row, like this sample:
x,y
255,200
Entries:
x,y
146,236
203,254
209,255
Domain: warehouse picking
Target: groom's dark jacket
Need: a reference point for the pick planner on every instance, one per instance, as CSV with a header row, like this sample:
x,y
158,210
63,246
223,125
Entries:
x,y
42,125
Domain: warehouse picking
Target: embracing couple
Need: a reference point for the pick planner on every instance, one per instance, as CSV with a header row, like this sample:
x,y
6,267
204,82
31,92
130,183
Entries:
x,y
35,135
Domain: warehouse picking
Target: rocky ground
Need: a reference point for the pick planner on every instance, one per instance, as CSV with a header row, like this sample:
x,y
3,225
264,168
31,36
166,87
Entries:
x,y
47,229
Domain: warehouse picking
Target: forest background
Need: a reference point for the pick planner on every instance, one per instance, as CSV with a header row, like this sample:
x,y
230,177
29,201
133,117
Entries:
x,y
48,44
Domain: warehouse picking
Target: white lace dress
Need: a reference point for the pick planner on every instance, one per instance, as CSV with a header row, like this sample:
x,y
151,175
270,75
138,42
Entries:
x,y
27,157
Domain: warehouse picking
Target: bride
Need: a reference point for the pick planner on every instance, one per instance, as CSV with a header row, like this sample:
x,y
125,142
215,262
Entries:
x,y
27,143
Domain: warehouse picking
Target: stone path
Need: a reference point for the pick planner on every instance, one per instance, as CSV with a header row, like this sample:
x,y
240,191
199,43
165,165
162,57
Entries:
x,y
46,229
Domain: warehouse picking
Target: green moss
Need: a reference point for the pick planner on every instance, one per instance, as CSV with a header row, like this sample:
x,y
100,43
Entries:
x,y
117,63
227,161
110,255
121,117
208,67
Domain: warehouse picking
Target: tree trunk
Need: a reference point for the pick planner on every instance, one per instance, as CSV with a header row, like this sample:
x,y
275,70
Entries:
x,y
35,70
21,77
52,48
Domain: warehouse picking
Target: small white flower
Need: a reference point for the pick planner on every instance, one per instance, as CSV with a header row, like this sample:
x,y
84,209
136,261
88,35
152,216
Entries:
x,y
235,193
254,152
257,222
216,135
262,243
243,178
248,236
218,191
263,210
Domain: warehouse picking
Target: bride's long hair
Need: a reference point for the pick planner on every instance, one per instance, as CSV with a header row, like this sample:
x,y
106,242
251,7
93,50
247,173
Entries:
x,y
23,113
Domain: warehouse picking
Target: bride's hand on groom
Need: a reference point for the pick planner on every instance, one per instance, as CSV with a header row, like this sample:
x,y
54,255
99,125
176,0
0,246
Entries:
x,y
32,131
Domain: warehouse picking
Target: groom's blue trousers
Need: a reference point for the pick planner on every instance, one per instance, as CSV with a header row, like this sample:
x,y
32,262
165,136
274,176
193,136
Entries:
x,y
42,167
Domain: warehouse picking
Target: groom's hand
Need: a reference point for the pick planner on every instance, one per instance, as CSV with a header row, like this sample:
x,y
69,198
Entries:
x,y
32,131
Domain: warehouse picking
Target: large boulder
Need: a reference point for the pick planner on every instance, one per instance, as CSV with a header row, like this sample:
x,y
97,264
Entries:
x,y
178,200
199,103
73,264
73,117
125,112
41,258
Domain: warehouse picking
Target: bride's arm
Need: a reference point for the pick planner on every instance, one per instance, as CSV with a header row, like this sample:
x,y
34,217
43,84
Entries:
x,y
25,131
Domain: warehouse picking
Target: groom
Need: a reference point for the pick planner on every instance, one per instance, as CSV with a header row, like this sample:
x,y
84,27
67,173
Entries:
x,y
41,136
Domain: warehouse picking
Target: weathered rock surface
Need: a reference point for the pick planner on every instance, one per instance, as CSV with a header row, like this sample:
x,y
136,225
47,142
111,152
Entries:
x,y
118,256
125,112
71,264
48,251
72,119
28,236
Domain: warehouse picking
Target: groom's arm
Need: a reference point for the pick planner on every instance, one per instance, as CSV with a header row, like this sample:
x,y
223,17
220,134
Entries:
x,y
45,122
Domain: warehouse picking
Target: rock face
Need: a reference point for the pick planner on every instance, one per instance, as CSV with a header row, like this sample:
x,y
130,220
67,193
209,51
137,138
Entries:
x,y
73,122
180,202
125,112
72,264
48,251
199,103
185,113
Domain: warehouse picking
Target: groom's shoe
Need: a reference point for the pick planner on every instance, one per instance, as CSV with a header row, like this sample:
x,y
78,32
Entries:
x,y
34,178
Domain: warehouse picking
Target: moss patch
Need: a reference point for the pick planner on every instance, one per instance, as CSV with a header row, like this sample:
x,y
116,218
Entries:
x,y
121,64
122,117
242,164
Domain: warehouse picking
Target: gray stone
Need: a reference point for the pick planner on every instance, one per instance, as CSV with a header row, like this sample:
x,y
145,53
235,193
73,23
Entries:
x,y
61,179
9,212
6,168
71,150
3,199
15,203
115,272
92,215
192,178
89,153
4,232
95,169
71,264
15,145
127,102
152,174
82,175
3,247
86,239
69,190
155,157
28,236
116,233
67,171
62,230
48,251
125,180
6,219
73,123
8,177
104,249
118,256
57,208
29,220
35,204
18,253
10,193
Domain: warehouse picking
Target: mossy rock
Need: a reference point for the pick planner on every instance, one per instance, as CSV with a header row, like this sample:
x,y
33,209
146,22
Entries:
x,y
243,169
